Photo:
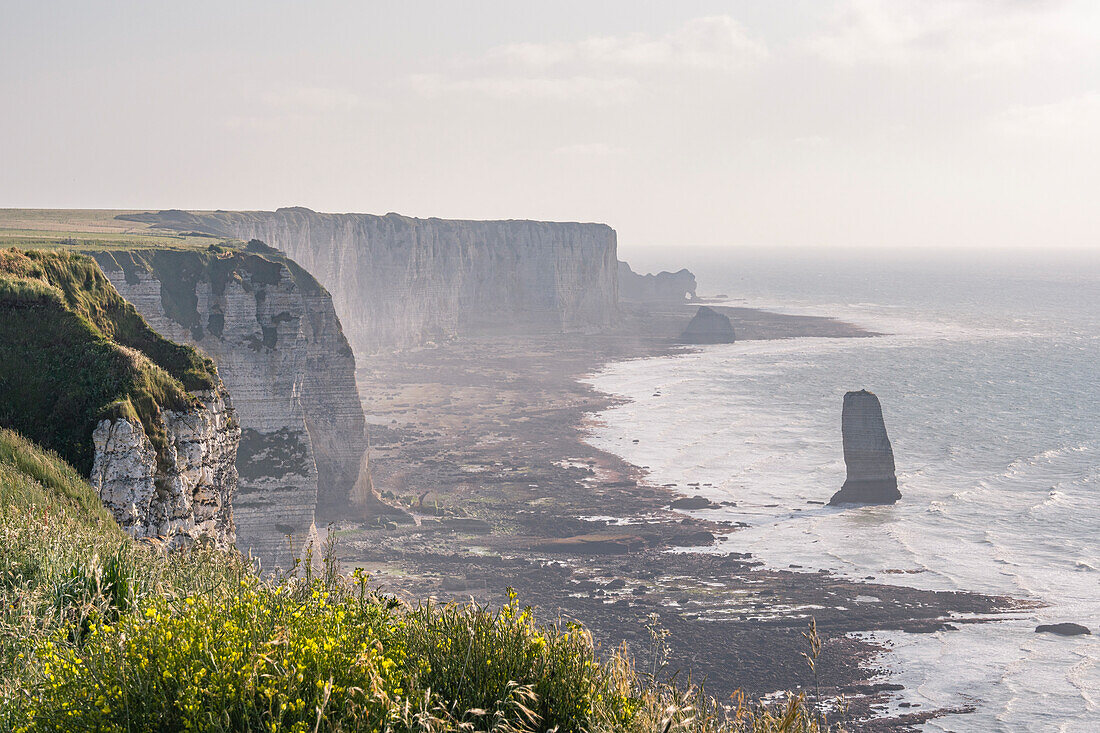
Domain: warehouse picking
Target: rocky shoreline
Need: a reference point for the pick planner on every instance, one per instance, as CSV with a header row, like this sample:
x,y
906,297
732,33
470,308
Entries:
x,y
481,440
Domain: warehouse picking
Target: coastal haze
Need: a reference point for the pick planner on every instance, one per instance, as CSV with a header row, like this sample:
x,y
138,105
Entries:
x,y
873,123
991,405
701,324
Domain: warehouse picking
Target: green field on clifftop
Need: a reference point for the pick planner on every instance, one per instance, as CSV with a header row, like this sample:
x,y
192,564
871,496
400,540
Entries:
x,y
84,229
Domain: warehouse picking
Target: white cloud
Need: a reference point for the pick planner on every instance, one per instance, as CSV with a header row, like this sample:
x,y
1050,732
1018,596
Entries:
x,y
717,43
320,99
955,35
599,69
574,88
587,150
811,141
1069,120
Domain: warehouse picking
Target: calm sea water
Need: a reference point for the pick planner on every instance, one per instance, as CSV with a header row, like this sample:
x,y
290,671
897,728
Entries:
x,y
989,385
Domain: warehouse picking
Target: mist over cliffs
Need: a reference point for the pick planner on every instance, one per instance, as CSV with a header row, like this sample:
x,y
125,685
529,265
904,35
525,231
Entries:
x,y
398,281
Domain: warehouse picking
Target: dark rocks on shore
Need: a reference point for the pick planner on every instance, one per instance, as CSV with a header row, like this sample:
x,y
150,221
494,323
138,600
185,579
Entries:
x,y
596,543
708,326
467,524
693,502
1063,629
867,453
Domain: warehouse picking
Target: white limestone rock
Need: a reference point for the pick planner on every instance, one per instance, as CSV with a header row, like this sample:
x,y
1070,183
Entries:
x,y
186,493
281,353
399,281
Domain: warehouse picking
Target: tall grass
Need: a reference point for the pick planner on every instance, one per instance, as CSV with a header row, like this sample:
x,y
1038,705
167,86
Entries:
x,y
98,632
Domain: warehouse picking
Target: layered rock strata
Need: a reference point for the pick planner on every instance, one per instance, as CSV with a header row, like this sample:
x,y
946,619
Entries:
x,y
867,453
397,281
708,326
668,287
273,332
184,494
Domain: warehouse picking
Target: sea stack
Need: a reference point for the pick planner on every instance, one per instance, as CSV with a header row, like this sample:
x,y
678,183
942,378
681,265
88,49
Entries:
x,y
708,327
867,453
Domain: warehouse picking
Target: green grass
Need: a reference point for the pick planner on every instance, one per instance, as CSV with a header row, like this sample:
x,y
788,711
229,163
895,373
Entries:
x,y
83,229
99,632
73,352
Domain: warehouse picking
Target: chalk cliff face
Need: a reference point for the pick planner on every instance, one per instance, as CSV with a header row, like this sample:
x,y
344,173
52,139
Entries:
x,y
188,492
146,419
708,326
673,287
398,281
867,453
274,335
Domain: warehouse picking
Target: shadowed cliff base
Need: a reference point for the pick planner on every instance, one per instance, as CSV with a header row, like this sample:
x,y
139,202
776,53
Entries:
x,y
481,439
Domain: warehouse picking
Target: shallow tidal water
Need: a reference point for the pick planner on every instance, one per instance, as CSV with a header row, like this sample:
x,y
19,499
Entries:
x,y
989,383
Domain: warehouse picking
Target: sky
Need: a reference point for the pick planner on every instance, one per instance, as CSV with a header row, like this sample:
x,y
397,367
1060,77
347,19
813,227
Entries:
x,y
804,123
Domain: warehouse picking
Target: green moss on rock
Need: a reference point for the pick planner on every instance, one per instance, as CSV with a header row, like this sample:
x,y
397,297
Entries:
x,y
74,352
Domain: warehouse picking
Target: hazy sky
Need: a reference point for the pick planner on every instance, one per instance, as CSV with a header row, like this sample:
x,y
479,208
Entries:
x,y
846,122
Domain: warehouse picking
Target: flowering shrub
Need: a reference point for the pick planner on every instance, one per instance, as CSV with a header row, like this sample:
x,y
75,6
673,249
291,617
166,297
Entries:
x,y
269,659
473,659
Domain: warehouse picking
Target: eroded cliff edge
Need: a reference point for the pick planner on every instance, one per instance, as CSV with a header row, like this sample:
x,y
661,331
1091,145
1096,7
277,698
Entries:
x,y
148,420
669,287
272,330
398,281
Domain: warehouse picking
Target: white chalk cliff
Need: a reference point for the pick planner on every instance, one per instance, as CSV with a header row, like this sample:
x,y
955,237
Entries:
x,y
398,281
187,493
280,351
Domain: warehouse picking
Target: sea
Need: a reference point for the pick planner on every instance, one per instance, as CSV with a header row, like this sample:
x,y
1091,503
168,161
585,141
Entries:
x,y
989,377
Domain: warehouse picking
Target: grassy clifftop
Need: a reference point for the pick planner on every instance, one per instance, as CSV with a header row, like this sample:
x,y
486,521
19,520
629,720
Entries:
x,y
73,352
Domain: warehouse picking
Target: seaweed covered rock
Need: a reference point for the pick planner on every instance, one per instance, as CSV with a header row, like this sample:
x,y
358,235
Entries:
x,y
148,420
1064,628
708,326
868,456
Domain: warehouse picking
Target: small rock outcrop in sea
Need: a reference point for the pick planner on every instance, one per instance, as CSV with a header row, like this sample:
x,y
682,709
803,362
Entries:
x,y
708,326
1063,629
692,502
867,453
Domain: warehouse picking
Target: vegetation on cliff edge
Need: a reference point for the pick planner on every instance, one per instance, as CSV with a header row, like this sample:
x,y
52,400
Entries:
x,y
73,352
180,271
99,632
